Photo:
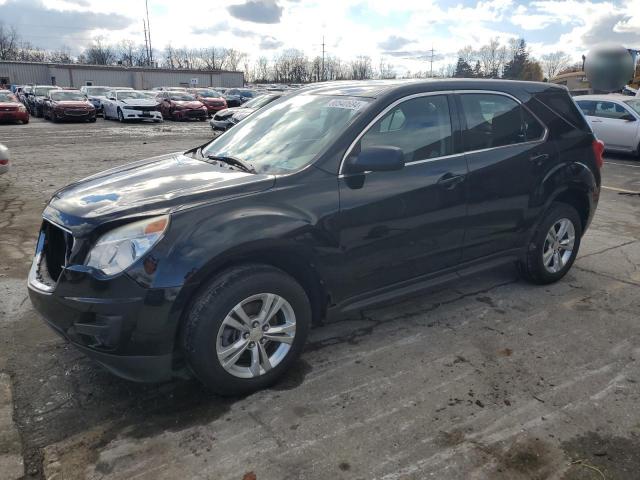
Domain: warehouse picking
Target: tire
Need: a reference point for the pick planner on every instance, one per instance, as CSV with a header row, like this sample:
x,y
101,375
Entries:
x,y
120,116
541,265
54,117
24,122
244,288
92,120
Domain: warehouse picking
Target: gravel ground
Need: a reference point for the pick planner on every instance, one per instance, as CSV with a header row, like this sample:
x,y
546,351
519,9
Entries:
x,y
486,378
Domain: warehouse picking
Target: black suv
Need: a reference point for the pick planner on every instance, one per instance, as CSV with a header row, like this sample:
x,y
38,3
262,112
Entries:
x,y
217,261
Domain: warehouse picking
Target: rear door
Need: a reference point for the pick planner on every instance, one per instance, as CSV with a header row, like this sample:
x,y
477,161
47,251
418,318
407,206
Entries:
x,y
507,156
398,225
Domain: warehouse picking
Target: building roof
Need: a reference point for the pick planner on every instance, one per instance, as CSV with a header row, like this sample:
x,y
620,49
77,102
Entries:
x,y
118,67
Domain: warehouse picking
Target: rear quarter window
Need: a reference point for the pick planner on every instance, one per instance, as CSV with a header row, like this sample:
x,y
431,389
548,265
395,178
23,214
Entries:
x,y
561,103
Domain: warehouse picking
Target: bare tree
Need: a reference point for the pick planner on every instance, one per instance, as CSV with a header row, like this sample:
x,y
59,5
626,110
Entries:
x,y
361,68
100,53
385,70
234,59
8,42
554,63
491,57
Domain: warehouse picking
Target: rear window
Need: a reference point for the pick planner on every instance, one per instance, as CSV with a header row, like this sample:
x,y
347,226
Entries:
x,y
562,104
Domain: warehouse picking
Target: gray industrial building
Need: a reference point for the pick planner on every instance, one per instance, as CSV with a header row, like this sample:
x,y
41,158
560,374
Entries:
x,y
140,78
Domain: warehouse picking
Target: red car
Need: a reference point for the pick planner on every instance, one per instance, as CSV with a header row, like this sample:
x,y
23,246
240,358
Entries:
x,y
181,106
68,105
212,99
11,110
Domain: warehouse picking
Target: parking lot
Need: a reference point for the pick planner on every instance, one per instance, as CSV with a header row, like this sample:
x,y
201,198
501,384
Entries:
x,y
486,378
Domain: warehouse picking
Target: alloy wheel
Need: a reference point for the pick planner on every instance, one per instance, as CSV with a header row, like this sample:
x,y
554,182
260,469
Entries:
x,y
256,335
558,245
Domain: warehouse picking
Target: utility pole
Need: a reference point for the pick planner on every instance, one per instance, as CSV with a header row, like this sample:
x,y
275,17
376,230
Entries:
x,y
146,5
431,61
322,76
146,43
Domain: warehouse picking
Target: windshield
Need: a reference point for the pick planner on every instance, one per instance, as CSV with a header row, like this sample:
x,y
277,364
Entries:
x,y
635,104
43,91
100,91
246,93
7,97
62,95
288,135
209,93
130,94
182,97
260,101
151,95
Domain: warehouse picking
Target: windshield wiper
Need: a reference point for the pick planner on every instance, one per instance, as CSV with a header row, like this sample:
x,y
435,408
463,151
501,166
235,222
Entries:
x,y
234,161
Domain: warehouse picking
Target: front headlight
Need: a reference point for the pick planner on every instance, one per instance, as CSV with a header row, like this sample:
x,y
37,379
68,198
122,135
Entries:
x,y
22,108
118,249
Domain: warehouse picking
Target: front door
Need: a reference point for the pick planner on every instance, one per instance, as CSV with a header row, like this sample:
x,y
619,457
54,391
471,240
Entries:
x,y
507,155
616,132
398,225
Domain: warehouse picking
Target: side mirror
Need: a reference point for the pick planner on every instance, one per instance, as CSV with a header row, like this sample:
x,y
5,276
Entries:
x,y
628,117
376,159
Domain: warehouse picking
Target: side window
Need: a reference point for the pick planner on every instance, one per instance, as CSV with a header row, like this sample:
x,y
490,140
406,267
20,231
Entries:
x,y
588,107
609,110
497,121
421,127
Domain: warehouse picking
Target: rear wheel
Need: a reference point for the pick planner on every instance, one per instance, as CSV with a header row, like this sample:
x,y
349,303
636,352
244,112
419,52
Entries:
x,y
246,328
554,246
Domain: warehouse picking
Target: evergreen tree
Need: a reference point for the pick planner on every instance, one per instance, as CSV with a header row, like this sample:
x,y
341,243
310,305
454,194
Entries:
x,y
514,69
477,71
463,69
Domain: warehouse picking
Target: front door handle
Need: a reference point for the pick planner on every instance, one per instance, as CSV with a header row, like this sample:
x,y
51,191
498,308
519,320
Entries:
x,y
449,181
539,159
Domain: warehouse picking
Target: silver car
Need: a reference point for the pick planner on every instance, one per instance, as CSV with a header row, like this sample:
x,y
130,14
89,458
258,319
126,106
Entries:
x,y
4,159
615,119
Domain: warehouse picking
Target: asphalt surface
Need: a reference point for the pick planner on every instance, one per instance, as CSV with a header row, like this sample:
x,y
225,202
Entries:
x,y
486,378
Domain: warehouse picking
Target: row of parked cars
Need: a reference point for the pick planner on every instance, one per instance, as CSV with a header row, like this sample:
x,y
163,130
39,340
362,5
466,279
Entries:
x,y
124,104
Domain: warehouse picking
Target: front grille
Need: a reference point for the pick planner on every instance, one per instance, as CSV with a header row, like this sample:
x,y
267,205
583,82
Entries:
x,y
142,109
56,250
8,109
195,113
76,112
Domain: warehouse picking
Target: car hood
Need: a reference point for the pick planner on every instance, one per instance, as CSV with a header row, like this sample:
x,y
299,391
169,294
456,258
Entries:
x,y
139,102
227,112
243,113
188,103
154,186
10,104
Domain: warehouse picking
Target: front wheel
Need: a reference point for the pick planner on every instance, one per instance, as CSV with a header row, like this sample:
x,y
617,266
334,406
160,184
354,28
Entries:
x,y
246,328
554,246
120,116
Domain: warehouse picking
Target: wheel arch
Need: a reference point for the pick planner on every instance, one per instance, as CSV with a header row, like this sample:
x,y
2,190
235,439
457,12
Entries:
x,y
290,259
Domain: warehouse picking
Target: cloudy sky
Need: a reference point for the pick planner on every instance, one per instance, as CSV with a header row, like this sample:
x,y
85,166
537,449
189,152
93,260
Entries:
x,y
402,32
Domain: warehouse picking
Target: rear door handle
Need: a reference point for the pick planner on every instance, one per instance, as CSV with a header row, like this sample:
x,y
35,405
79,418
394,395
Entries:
x,y
449,181
543,157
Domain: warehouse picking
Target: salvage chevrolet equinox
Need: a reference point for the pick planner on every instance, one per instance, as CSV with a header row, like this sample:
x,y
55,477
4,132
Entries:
x,y
215,262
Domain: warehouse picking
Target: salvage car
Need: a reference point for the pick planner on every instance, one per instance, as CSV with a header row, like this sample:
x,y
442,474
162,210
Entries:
x,y
36,97
5,161
615,119
231,116
96,95
216,261
126,105
212,99
68,105
11,110
237,96
178,105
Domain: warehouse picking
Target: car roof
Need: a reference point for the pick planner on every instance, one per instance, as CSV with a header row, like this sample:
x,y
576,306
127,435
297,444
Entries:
x,y
379,88
606,97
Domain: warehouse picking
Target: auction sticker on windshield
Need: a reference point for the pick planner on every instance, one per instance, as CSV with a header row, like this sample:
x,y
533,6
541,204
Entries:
x,y
348,104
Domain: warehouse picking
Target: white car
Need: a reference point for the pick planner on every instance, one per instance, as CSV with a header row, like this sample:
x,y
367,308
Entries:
x,y
4,159
127,105
614,119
